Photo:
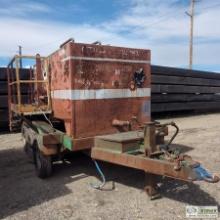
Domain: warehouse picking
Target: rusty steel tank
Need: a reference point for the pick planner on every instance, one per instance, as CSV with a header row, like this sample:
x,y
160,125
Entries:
x,y
99,89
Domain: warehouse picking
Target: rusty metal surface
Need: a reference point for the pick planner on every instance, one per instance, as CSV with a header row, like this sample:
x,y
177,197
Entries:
x,y
159,167
87,67
151,185
150,139
120,142
153,158
123,137
140,150
47,142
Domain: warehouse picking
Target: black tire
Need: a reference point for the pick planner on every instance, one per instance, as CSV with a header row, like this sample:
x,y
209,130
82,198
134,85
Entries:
x,y
43,164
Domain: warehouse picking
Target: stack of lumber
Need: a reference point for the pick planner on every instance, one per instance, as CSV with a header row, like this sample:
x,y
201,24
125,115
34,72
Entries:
x,y
175,89
3,99
24,73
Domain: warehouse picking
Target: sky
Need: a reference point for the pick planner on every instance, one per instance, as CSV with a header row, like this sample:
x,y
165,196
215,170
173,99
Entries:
x,y
162,26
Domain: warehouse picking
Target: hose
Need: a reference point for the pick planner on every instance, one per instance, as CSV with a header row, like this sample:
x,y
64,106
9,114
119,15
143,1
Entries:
x,y
101,185
173,124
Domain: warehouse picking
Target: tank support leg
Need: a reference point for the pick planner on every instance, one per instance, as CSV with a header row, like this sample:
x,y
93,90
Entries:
x,y
151,186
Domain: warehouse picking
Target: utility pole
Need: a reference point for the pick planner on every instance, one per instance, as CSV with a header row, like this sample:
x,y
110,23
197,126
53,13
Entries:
x,y
191,15
20,54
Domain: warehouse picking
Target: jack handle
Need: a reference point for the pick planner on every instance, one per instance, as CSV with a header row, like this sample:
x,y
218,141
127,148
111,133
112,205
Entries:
x,y
173,124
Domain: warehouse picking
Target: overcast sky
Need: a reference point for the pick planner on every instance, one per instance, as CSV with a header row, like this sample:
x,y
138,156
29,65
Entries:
x,y
160,25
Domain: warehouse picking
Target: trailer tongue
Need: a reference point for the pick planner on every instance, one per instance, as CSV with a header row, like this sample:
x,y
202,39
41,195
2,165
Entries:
x,y
96,98
146,150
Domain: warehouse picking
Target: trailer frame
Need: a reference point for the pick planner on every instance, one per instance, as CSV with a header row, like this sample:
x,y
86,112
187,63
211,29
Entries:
x,y
144,149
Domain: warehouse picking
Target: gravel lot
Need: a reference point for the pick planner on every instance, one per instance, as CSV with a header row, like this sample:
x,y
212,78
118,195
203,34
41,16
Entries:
x,y
68,195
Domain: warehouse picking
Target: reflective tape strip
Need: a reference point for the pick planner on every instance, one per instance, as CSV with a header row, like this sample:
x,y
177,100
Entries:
x,y
100,94
105,59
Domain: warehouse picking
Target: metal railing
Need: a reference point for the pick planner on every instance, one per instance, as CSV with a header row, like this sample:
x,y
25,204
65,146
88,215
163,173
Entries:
x,y
38,84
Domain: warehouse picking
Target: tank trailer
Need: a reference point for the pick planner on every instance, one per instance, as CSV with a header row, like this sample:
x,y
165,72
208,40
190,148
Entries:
x,y
96,99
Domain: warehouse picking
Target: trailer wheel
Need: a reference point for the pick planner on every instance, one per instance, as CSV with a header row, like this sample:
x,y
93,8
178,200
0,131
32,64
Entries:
x,y
43,164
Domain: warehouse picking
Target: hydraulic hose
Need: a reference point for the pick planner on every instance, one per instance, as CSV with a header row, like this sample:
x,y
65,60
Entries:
x,y
103,182
173,124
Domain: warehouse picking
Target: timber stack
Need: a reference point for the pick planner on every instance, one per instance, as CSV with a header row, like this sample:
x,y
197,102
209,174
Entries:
x,y
175,89
3,99
4,96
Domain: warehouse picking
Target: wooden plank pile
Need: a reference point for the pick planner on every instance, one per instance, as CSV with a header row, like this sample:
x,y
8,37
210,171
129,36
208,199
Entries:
x,y
4,95
3,99
175,89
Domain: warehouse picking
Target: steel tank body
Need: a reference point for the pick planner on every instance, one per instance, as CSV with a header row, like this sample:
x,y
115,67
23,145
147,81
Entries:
x,y
93,85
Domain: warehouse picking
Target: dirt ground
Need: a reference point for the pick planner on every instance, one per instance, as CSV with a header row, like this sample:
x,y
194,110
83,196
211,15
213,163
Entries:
x,y
68,195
